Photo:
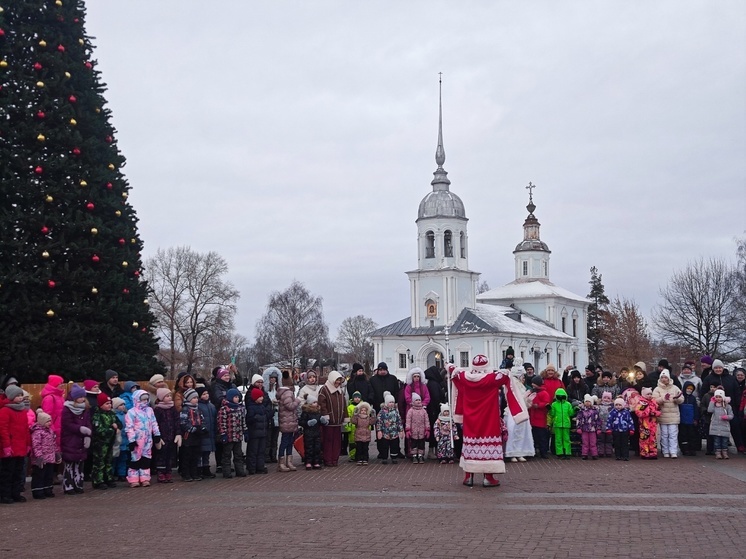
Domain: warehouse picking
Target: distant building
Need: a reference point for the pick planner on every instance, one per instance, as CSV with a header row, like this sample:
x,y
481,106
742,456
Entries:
x,y
543,323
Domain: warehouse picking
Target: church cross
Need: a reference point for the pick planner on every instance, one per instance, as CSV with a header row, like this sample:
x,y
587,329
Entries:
x,y
530,189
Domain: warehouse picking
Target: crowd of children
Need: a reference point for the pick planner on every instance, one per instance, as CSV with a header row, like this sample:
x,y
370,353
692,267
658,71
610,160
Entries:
x,y
121,433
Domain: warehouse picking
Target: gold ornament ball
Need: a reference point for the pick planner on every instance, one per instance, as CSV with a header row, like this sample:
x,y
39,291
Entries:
x,y
41,137
125,264
3,64
83,183
133,240
125,195
146,301
81,42
42,43
73,122
111,167
39,84
94,231
49,199
135,324
58,3
118,213
68,75
50,313
98,110
45,254
94,291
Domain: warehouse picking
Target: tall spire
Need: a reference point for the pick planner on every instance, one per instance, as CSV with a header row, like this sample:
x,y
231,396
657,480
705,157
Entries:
x,y
440,182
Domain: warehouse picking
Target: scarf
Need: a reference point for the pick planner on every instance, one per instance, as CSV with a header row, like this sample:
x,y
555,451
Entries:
x,y
77,409
334,375
232,405
18,407
165,405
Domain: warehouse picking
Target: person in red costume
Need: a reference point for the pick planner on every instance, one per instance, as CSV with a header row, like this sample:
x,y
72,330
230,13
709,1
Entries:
x,y
476,394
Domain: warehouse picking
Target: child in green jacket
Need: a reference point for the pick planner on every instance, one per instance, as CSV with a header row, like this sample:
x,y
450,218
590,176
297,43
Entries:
x,y
559,421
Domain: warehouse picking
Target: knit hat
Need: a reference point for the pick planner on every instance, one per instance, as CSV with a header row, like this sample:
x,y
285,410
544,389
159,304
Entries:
x,y
256,393
102,398
642,366
189,394
606,397
223,374
161,393
129,385
416,397
388,398
42,418
90,385
14,391
232,393
647,392
382,365
357,394
720,392
665,373
116,402
110,374
155,379
444,408
619,401
606,374
528,366
311,398
688,365
510,351
55,380
551,366
664,363
537,380
201,389
257,378
717,363
76,391
575,374
356,367
706,359
589,398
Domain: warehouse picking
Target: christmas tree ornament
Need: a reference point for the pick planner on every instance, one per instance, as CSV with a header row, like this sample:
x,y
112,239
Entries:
x,y
39,84
72,99
133,240
60,48
73,122
68,75
37,66
48,199
125,195
81,42
109,139
125,264
88,65
83,183
146,302
40,115
45,254
2,33
42,43
3,64
118,213
58,3
41,137
95,258
109,185
94,291
38,170
111,167
44,230
144,329
76,152
50,313
51,284
135,324
137,273
126,291
94,231
90,207
121,242
98,109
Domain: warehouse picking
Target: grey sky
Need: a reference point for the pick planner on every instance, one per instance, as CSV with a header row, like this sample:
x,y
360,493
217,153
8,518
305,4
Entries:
x,y
297,138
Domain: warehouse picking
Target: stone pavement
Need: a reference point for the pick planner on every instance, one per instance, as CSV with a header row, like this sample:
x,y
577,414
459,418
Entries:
x,y
690,507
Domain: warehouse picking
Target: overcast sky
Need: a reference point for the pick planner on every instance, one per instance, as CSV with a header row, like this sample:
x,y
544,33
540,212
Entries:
x,y
297,139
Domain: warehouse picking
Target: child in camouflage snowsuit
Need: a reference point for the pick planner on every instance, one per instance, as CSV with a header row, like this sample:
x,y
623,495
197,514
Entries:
x,y
105,427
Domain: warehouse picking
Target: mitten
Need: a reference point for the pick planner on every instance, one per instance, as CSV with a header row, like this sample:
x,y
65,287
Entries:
x,y
7,452
345,421
312,422
724,418
246,437
409,433
86,442
579,431
608,431
325,420
132,446
85,431
631,432
177,440
598,431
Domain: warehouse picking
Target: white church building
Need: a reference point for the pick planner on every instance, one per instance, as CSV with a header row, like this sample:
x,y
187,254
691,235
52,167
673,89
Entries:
x,y
542,322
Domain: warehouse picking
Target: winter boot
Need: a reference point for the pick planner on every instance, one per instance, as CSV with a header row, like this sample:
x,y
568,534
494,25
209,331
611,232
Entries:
x,y
207,473
724,454
289,463
281,465
490,481
469,479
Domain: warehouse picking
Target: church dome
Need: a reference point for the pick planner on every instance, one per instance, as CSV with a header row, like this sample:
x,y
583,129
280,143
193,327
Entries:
x,y
531,244
441,203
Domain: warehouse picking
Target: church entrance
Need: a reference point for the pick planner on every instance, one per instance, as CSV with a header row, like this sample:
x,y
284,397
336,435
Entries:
x,y
435,358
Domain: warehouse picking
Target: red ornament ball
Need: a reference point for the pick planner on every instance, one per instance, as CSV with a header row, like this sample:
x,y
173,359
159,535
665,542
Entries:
x,y
61,48
109,185
95,258
2,33
38,170
90,207
109,139
126,291
88,65
121,242
51,284
72,99
40,115
137,273
44,230
37,66
76,151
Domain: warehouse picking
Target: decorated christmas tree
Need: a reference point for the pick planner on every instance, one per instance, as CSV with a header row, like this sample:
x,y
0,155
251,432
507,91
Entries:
x,y
72,298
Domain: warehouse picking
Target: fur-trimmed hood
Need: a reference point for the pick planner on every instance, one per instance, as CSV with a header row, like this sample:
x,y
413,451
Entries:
x,y
418,371
271,372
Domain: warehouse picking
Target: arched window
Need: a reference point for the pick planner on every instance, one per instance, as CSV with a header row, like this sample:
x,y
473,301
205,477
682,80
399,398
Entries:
x,y
429,244
447,244
463,245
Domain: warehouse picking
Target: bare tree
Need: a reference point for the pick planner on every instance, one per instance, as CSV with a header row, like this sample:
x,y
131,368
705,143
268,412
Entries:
x,y
353,338
192,300
293,326
625,334
482,287
699,308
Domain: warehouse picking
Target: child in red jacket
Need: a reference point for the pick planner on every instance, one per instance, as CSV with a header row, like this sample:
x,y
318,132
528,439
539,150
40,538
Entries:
x,y
15,442
538,401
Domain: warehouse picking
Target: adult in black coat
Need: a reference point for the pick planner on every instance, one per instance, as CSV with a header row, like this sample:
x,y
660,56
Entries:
x,y
437,397
382,382
359,383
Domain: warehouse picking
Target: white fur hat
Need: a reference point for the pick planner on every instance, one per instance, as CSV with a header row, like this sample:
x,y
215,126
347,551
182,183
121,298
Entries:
x,y
444,408
720,393
388,398
589,398
665,373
